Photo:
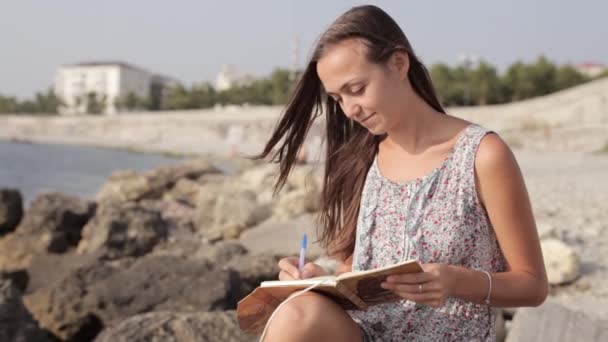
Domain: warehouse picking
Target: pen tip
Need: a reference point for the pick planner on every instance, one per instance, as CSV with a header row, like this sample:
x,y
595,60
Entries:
x,y
304,241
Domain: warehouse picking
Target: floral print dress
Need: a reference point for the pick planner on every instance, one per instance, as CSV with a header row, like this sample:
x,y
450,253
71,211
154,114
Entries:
x,y
436,218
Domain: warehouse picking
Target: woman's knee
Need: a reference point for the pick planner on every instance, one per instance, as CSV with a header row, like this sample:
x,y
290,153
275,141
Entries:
x,y
311,315
301,312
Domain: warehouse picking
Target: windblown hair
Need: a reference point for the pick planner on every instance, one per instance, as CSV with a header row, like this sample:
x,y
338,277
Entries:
x,y
350,148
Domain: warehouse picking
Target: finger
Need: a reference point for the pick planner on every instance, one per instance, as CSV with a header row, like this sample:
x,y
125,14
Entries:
x,y
289,265
410,288
425,297
411,278
312,270
285,276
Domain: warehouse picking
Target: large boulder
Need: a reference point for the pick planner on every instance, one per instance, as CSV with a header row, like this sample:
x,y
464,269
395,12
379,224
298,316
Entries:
x,y
178,216
295,203
16,323
126,186
101,293
67,307
53,224
286,236
184,191
17,250
177,327
224,211
11,210
252,270
121,230
60,217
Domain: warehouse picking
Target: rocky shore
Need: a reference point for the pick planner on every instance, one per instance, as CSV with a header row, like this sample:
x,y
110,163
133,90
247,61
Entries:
x,y
166,254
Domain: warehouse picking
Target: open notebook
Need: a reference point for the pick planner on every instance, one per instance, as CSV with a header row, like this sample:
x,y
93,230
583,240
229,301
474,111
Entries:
x,y
352,290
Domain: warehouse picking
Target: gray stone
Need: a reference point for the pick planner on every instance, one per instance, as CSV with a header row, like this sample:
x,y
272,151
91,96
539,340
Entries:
x,y
177,327
11,210
282,238
295,203
225,211
16,323
121,230
100,293
61,217
126,186
561,261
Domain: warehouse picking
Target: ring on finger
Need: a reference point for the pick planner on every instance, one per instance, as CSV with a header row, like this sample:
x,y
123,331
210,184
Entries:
x,y
419,288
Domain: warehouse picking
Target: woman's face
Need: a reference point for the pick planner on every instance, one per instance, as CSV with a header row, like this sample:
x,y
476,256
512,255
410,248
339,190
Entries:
x,y
372,95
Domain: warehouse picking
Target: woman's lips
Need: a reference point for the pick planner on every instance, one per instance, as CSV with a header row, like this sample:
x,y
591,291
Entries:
x,y
367,118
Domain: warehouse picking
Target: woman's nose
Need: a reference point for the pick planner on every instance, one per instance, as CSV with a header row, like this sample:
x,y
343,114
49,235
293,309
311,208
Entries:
x,y
351,109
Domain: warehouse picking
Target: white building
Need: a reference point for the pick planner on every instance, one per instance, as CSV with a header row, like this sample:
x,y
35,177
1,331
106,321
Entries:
x,y
590,69
230,77
105,82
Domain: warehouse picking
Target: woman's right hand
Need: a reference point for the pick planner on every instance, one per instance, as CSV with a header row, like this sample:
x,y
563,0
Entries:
x,y
289,269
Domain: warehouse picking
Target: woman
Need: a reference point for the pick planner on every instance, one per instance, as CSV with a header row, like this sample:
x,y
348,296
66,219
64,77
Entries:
x,y
404,180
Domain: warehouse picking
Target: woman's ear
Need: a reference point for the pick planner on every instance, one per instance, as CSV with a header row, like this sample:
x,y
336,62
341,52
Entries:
x,y
400,60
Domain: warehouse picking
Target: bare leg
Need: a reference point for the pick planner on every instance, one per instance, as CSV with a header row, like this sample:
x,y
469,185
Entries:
x,y
312,317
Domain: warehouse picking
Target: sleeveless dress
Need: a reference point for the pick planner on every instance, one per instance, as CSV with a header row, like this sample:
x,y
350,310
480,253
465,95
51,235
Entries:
x,y
436,218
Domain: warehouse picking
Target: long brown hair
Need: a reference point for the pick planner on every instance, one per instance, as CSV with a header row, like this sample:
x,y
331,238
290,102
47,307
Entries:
x,y
350,147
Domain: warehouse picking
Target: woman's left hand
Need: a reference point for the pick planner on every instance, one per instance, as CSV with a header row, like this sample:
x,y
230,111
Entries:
x,y
431,287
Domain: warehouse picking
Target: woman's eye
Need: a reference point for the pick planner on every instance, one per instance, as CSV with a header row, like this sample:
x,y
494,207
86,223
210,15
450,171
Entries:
x,y
357,91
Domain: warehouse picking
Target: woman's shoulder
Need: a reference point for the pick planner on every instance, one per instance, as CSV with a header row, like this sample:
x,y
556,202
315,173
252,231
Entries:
x,y
492,151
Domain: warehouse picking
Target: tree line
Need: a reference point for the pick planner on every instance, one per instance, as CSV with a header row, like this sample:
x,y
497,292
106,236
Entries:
x,y
461,85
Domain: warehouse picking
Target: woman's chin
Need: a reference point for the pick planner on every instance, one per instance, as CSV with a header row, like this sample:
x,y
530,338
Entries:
x,y
376,130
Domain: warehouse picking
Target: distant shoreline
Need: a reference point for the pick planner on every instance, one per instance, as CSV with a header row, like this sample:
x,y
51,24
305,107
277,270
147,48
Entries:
x,y
573,120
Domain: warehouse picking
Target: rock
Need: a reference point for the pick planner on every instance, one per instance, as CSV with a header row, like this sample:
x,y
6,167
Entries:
x,y
126,186
17,250
11,210
123,230
554,322
16,323
59,216
546,230
561,262
67,307
97,294
19,279
285,235
185,191
296,203
303,177
252,270
260,177
47,269
177,327
185,247
52,225
501,329
225,211
179,217
165,283
165,177
223,251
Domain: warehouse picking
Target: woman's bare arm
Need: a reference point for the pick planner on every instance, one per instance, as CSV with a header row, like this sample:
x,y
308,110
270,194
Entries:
x,y
503,193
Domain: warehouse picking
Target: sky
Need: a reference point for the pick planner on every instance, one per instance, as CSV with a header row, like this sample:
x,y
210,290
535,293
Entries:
x,y
191,40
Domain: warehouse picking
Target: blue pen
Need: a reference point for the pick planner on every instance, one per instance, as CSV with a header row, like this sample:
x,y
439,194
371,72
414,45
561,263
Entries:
x,y
303,252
